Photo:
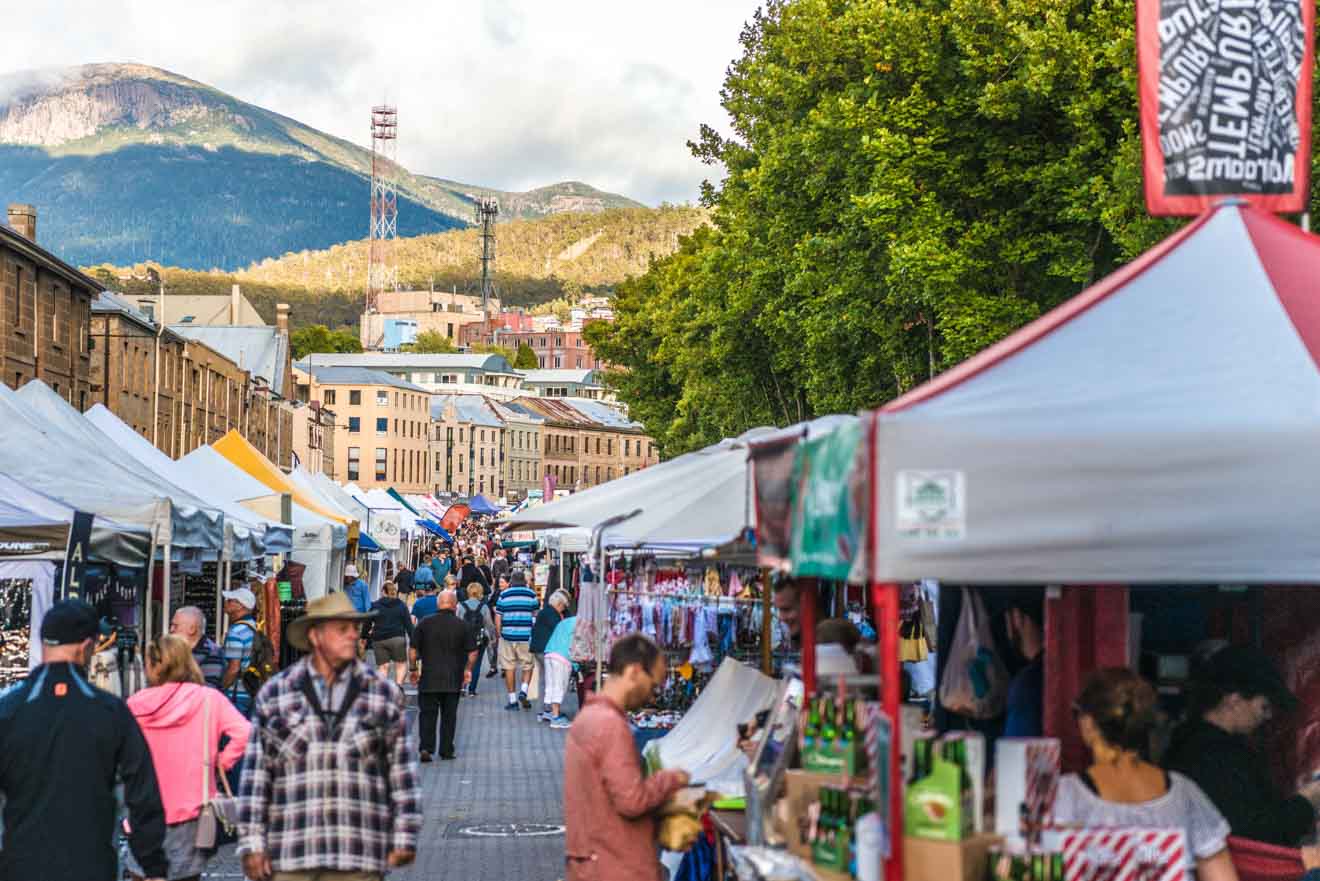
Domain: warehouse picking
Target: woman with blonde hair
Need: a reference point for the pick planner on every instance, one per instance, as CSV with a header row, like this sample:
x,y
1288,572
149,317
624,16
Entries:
x,y
1116,714
183,721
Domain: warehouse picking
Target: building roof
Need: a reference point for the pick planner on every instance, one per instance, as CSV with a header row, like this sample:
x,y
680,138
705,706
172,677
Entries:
x,y
210,310
550,377
489,362
508,410
358,376
111,303
261,351
474,409
13,239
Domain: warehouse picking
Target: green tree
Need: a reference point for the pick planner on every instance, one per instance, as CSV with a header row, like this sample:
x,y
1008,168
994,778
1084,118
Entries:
x,y
431,342
905,183
491,349
319,338
525,359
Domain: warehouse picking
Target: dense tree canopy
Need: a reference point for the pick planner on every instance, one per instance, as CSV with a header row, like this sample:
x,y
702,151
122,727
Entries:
x,y
431,342
319,338
906,182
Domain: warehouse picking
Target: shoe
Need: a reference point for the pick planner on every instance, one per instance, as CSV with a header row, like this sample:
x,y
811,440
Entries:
x,y
448,758
544,716
561,722
472,693
526,704
490,674
510,706
426,757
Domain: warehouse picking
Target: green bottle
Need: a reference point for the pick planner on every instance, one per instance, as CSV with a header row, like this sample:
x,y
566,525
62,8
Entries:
x,y
849,721
828,732
812,731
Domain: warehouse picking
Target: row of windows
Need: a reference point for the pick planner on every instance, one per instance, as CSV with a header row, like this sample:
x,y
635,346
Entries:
x,y
401,399
409,465
407,428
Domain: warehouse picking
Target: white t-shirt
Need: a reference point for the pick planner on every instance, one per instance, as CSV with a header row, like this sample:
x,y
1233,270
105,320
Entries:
x,y
1183,806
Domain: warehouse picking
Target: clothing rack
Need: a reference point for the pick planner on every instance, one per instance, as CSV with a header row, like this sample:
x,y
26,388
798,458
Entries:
x,y
683,597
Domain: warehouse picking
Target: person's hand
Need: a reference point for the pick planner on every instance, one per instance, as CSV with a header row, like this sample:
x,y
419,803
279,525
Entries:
x,y
683,778
415,676
257,866
399,858
1311,857
467,677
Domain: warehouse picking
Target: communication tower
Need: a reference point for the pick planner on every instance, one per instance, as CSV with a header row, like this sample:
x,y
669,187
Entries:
x,y
488,208
382,273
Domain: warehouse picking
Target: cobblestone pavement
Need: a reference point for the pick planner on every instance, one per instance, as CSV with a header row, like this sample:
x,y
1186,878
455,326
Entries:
x,y
506,782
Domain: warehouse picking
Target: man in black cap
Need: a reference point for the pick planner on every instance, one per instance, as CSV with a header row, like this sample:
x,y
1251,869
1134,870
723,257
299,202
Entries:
x,y
62,745
1237,692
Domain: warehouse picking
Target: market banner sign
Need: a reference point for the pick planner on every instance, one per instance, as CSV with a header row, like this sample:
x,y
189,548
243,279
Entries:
x,y
826,524
772,482
385,527
75,556
1225,94
454,517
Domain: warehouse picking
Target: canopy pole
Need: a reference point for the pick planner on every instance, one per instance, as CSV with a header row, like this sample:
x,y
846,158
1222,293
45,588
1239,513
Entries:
x,y
165,590
220,598
767,624
151,570
885,600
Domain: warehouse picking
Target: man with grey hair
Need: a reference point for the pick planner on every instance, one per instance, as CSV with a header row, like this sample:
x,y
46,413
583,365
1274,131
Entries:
x,y
546,622
189,622
447,649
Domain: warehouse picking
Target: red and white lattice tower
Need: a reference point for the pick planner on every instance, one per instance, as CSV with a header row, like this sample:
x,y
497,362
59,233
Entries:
x,y
382,273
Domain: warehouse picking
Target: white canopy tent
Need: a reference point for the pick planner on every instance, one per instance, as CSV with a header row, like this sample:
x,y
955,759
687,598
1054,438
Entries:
x,y
112,542
182,521
1159,428
248,536
318,543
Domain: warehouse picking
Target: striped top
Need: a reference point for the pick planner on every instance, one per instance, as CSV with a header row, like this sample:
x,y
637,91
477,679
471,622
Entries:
x,y
238,647
517,610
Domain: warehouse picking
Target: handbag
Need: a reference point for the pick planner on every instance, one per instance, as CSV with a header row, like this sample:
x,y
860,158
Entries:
x,y
217,824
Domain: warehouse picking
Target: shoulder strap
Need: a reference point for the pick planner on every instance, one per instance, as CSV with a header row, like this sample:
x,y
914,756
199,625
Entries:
x,y
206,749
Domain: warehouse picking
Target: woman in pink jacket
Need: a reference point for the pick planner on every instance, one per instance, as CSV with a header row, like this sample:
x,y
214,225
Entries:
x,y
183,721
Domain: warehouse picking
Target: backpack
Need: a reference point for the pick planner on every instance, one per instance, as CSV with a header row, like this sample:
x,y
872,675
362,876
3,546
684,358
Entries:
x,y
475,622
262,663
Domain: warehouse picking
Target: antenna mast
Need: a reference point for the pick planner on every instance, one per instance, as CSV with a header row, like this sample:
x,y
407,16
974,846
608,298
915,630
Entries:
x,y
382,273
488,208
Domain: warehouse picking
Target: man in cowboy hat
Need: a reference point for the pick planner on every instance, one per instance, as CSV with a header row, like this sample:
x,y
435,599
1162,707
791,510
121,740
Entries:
x,y
330,782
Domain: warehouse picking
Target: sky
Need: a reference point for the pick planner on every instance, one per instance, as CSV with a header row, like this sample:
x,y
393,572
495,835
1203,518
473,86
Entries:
x,y
499,93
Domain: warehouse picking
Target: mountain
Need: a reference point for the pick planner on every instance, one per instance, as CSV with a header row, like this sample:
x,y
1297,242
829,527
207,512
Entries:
x,y
127,163
537,260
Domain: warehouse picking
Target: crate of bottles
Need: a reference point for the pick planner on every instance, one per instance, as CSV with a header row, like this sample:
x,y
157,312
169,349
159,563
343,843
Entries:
x,y
833,822
832,741
1011,865
939,801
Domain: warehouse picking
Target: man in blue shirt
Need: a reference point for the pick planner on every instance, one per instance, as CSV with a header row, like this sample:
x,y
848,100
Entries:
x,y
239,605
1026,691
441,566
426,604
356,589
515,612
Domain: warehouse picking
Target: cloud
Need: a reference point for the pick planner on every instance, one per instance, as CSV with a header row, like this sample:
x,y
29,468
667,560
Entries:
x,y
499,93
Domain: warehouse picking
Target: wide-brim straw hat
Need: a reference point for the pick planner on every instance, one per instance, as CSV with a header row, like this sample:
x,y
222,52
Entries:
x,y
331,607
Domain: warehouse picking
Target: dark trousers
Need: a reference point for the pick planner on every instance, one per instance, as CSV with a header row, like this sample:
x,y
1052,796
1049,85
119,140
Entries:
x,y
476,671
442,704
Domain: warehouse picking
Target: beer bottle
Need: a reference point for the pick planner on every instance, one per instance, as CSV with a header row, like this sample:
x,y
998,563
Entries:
x,y
828,731
849,721
812,730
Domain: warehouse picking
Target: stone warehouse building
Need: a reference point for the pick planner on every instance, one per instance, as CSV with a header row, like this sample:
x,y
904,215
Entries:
x,y
45,313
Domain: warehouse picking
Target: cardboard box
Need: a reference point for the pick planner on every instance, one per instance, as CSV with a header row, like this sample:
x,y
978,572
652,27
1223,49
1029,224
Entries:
x,y
800,790
1026,782
928,860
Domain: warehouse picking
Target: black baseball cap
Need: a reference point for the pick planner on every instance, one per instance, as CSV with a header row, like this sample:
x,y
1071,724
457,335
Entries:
x,y
1240,669
68,622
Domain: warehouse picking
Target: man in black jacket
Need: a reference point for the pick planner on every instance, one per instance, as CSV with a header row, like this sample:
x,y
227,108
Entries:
x,y
63,743
447,648
1237,693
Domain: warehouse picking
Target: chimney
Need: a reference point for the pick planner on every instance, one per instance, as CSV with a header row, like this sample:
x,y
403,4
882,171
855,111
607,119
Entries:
x,y
23,220
235,306
281,317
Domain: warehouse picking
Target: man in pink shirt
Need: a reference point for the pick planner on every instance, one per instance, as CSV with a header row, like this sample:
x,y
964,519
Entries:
x,y
609,807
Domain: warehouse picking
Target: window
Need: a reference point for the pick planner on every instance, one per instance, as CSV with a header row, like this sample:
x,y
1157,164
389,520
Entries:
x,y
382,425
381,461
598,474
354,398
382,399
438,463
329,397
460,461
483,457
354,424
609,473
449,434
460,435
353,456
609,446
396,426
625,446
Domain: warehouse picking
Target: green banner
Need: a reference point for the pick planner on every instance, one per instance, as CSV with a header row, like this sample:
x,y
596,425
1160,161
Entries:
x,y
825,535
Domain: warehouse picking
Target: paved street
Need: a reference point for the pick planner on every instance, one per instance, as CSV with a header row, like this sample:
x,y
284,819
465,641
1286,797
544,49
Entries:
x,y
506,783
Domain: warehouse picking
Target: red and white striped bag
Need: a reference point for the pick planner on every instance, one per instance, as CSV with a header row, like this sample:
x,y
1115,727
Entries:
x,y
1125,854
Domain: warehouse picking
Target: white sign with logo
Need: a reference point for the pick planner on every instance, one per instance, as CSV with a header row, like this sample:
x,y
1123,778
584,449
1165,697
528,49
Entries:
x,y
931,505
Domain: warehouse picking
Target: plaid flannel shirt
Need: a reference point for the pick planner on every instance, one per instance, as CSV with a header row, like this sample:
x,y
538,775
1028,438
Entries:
x,y
313,801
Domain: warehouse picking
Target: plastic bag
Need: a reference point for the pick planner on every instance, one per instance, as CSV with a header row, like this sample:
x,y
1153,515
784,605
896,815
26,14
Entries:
x,y
975,682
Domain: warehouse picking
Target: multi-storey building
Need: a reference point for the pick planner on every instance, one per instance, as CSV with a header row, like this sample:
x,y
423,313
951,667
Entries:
x,y
446,313
567,384
45,313
467,446
478,374
556,348
179,393
313,435
585,443
522,450
381,426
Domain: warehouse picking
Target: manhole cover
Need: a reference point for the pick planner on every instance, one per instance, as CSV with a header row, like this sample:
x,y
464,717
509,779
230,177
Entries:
x,y
510,830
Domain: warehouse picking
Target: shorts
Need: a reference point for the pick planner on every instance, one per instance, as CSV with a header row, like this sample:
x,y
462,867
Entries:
x,y
557,673
393,649
516,656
